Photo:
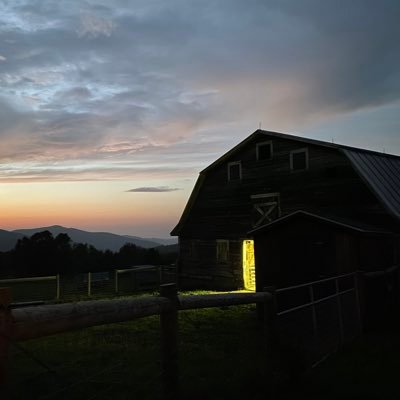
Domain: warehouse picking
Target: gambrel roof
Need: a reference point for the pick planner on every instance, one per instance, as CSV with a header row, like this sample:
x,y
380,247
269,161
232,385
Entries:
x,y
380,171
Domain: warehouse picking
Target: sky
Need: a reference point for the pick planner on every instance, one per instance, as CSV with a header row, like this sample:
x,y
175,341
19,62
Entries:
x,y
110,109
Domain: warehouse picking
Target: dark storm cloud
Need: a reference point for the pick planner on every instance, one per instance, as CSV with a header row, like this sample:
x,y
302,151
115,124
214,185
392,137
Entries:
x,y
90,81
358,48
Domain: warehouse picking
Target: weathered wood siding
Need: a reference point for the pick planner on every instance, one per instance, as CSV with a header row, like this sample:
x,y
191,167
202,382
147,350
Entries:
x,y
224,209
199,267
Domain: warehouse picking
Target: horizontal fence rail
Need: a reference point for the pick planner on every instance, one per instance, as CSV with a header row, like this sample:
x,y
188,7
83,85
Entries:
x,y
32,279
38,321
333,278
310,286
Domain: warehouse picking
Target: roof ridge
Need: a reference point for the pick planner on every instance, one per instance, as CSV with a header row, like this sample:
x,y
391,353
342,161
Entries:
x,y
324,143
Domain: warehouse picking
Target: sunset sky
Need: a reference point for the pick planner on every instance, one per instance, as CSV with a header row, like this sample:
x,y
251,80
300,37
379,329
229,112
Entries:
x,y
109,109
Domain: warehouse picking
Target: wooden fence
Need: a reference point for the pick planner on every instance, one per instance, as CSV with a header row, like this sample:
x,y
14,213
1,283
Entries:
x,y
69,286
33,322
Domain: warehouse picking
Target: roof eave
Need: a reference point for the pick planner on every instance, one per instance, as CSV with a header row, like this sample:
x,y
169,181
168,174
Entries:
x,y
177,230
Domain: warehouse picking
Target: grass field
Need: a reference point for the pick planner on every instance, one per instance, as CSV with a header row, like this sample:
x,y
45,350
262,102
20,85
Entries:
x,y
220,357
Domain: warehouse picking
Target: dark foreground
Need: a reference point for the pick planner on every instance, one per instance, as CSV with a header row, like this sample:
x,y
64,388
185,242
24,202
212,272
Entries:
x,y
367,369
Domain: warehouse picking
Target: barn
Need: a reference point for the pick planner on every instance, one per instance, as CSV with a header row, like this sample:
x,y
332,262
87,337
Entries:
x,y
289,193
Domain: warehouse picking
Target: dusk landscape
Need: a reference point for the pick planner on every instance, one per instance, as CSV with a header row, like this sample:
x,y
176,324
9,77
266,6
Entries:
x,y
108,113
199,199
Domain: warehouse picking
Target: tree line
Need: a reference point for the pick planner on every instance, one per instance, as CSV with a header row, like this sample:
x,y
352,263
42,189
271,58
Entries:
x,y
43,254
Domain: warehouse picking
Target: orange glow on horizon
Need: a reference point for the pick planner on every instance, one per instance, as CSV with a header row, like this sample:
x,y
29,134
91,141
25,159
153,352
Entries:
x,y
90,206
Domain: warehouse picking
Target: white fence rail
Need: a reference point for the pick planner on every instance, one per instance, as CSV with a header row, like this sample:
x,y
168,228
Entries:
x,y
97,284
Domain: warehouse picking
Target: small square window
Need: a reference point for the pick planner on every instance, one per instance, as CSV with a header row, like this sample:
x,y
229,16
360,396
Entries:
x,y
234,171
222,251
264,151
299,160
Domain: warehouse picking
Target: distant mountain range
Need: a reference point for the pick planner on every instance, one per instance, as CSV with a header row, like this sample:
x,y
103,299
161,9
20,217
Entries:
x,y
8,239
100,240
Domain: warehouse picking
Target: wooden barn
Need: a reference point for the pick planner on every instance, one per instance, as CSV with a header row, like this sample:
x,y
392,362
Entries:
x,y
314,208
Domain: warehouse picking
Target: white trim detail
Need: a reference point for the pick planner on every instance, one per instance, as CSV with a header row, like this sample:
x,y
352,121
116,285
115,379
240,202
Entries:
x,y
231,164
303,150
258,145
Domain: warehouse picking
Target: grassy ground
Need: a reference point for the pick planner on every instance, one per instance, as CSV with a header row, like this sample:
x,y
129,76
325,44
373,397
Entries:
x,y
220,357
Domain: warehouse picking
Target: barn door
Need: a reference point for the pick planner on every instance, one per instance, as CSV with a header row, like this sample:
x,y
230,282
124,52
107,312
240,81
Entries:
x,y
266,208
249,269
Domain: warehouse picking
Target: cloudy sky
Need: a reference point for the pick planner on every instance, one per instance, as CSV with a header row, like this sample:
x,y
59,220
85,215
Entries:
x,y
109,109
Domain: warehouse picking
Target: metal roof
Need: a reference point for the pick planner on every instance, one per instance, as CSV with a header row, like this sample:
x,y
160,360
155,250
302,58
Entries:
x,y
260,132
381,173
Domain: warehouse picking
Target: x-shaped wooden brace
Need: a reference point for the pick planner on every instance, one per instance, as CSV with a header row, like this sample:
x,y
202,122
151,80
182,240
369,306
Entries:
x,y
265,210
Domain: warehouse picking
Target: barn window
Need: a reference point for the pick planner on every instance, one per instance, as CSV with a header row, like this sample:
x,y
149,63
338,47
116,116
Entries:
x,y
264,151
299,160
222,251
193,249
234,171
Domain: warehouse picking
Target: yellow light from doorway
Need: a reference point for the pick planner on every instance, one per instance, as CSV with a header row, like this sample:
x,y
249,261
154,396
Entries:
x,y
249,270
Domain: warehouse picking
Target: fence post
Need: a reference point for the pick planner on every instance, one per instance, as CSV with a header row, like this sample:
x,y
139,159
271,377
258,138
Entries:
x,y
169,343
270,337
313,309
58,286
89,284
134,281
358,284
340,314
5,335
270,317
116,280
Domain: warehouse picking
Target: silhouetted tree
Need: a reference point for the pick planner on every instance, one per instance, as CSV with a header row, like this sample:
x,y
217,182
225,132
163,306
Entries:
x,y
37,255
42,254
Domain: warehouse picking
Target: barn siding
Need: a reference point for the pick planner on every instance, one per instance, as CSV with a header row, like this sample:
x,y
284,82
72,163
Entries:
x,y
224,210
201,269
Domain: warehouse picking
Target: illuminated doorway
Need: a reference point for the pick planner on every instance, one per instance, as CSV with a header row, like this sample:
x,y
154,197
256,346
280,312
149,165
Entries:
x,y
249,270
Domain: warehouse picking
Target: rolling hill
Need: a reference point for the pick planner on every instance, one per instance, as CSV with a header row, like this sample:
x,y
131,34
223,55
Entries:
x,y
8,239
100,240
